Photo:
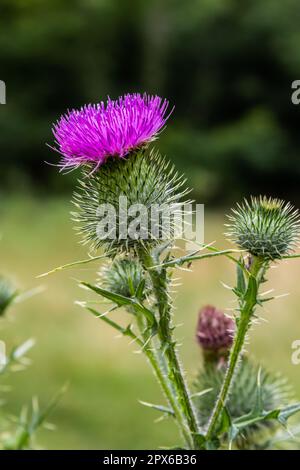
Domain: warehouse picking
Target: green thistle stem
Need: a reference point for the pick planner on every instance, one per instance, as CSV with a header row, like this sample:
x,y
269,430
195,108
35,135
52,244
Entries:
x,y
158,364
158,371
244,322
165,335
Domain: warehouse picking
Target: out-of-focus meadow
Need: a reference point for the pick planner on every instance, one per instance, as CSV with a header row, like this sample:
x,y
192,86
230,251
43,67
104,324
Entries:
x,y
106,379
227,66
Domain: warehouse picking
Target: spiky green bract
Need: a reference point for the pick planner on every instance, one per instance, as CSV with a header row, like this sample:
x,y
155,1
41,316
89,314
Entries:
x,y
265,227
275,393
7,294
124,277
142,178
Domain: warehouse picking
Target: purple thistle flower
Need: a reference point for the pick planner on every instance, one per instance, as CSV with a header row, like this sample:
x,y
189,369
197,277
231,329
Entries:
x,y
96,132
214,330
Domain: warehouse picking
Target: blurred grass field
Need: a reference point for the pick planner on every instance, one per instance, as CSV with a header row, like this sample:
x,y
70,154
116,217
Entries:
x,y
106,379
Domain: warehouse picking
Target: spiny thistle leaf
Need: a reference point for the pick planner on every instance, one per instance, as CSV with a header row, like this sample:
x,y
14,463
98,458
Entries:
x,y
265,227
120,300
257,417
284,414
28,423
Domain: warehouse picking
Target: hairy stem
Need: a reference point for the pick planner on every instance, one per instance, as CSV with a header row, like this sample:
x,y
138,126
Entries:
x,y
158,369
165,334
244,322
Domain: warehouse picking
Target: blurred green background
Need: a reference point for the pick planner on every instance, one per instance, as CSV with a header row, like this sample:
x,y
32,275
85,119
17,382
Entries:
x,y
228,67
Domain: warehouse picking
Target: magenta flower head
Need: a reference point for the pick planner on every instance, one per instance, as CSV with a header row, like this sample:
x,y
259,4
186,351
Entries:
x,y
214,330
97,132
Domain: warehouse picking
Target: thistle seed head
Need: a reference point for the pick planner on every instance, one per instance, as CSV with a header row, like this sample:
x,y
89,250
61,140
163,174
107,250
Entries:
x,y
265,227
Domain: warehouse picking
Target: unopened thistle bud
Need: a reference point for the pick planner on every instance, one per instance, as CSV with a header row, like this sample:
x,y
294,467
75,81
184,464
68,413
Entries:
x,y
275,393
265,227
124,277
214,331
129,203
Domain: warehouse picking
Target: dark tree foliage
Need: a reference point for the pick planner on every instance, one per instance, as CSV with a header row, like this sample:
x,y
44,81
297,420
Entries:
x,y
228,67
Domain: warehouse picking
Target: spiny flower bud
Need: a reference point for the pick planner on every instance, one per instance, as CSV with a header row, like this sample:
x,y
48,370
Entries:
x,y
214,330
275,393
124,277
7,294
265,227
137,193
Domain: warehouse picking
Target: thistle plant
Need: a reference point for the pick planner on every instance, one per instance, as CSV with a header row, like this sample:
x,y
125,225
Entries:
x,y
215,336
128,202
214,332
19,432
124,277
267,228
146,182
